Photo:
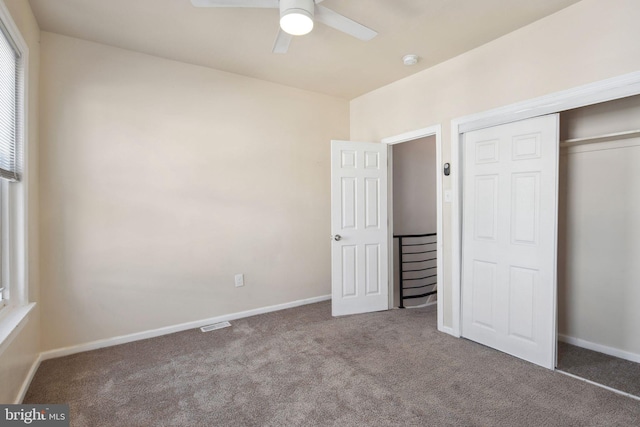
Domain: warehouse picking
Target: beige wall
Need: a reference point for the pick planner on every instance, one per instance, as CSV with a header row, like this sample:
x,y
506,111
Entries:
x,y
621,115
589,41
599,220
22,351
414,186
161,180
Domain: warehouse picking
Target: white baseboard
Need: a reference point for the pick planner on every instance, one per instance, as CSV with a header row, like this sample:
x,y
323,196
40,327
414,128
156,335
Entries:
x,y
611,351
27,380
447,330
123,339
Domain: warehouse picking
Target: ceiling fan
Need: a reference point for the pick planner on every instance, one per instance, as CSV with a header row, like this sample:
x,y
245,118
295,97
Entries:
x,y
297,18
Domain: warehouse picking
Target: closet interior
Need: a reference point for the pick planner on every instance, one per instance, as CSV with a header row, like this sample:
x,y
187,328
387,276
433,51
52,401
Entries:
x,y
599,244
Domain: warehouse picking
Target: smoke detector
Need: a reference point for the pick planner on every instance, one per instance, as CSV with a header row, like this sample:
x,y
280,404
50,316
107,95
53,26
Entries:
x,y
410,59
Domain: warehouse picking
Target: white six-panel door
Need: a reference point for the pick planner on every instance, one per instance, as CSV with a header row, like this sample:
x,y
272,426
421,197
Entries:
x,y
509,238
359,245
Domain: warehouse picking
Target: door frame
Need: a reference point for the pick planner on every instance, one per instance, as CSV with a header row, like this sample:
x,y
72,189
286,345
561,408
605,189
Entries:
x,y
435,130
581,96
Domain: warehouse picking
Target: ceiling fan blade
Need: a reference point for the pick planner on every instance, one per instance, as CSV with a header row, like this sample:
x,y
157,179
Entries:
x,y
344,24
275,4
281,45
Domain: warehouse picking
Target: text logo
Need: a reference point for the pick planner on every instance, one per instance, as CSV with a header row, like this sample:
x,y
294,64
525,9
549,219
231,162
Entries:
x,y
34,415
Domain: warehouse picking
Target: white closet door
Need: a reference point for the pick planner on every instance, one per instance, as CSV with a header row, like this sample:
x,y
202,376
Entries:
x,y
509,238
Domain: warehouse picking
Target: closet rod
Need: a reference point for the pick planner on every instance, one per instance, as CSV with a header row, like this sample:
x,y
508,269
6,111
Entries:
x,y
600,138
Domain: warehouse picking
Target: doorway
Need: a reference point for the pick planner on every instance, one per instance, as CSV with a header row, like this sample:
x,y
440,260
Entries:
x,y
611,89
361,235
589,94
429,142
598,219
414,215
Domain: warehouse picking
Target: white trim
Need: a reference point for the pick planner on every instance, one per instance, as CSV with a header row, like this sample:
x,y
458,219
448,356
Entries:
x,y
13,30
600,145
391,243
447,330
12,323
593,93
440,229
615,390
123,339
18,192
616,136
556,202
456,230
581,96
412,135
435,130
600,348
27,380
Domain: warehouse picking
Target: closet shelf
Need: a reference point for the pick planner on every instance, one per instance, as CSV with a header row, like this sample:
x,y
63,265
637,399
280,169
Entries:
x,y
600,138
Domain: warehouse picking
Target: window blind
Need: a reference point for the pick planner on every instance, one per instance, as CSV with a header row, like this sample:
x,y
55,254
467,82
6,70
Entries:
x,y
10,108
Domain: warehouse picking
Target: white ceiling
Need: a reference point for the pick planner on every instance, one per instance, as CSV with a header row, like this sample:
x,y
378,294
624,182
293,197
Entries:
x,y
326,61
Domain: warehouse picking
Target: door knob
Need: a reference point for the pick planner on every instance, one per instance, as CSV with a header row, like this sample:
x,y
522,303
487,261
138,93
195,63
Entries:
x,y
337,237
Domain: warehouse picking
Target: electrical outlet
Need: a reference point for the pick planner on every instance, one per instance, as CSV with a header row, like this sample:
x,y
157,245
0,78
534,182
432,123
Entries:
x,y
239,278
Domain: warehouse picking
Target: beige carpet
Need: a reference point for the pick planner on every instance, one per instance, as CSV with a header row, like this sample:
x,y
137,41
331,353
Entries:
x,y
301,367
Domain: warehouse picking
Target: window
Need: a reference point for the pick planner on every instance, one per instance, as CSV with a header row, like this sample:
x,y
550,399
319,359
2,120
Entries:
x,y
14,304
10,136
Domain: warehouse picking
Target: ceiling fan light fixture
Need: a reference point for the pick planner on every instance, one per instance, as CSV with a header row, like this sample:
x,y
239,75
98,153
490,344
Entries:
x,y
296,16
